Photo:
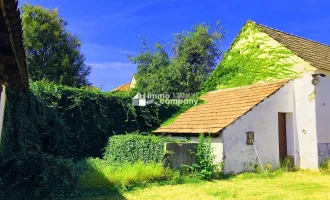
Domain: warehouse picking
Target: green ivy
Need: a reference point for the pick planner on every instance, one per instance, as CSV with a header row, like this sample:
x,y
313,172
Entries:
x,y
132,148
71,122
36,175
250,62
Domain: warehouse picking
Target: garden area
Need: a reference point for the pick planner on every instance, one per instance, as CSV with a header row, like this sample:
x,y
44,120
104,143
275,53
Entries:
x,y
53,149
64,139
285,185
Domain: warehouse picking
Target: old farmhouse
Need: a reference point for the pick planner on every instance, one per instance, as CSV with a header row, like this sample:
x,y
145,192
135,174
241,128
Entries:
x,y
284,113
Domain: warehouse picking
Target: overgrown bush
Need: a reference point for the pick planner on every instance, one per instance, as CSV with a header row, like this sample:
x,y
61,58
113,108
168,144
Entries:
x,y
99,174
36,176
71,122
135,147
205,167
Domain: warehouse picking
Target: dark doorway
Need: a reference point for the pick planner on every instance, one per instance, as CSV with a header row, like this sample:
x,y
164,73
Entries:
x,y
282,135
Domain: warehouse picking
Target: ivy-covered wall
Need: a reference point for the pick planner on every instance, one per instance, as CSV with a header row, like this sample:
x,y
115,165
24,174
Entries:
x,y
253,57
145,148
71,122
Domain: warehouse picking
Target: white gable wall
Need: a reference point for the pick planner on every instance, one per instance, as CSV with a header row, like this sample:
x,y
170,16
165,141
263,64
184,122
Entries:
x,y
263,121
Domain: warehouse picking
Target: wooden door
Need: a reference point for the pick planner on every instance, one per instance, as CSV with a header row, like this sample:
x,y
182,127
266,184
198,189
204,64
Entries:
x,y
282,135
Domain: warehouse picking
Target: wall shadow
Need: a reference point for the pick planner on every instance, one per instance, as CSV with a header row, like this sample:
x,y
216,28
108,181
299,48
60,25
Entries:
x,y
94,185
322,118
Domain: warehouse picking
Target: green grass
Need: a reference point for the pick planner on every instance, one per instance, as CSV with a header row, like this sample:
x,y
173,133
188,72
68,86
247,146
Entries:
x,y
99,174
100,178
274,185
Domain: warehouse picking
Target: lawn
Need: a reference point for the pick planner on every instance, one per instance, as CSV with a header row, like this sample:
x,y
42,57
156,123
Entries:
x,y
287,185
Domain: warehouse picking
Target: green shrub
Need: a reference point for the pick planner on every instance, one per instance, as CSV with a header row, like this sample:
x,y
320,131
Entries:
x,y
132,148
325,165
205,167
36,176
99,174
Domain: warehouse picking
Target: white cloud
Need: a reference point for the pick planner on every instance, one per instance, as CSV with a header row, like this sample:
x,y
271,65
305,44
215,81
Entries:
x,y
112,65
93,47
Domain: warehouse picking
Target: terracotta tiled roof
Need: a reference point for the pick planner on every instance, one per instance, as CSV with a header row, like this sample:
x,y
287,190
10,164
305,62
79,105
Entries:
x,y
317,54
124,87
222,108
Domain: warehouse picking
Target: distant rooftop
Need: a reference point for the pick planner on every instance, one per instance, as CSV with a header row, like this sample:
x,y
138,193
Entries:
x,y
124,87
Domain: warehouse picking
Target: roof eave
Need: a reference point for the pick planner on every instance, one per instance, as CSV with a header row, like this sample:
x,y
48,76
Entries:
x,y
11,15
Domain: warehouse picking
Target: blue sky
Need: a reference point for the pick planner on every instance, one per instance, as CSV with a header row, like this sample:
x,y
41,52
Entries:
x,y
110,29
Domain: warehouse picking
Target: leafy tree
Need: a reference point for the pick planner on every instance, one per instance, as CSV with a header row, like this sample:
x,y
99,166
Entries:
x,y
52,52
195,54
153,66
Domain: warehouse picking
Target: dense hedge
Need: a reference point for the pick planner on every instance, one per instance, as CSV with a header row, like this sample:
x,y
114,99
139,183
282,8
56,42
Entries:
x,y
132,148
36,176
71,122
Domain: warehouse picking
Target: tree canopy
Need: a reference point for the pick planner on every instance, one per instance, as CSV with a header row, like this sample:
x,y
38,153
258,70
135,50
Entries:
x,y
53,53
194,56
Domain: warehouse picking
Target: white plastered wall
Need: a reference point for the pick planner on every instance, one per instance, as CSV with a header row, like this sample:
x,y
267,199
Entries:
x,y
312,105
308,125
307,111
305,122
263,121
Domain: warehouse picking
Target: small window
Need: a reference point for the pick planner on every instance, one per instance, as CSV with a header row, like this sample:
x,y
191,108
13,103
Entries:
x,y
250,138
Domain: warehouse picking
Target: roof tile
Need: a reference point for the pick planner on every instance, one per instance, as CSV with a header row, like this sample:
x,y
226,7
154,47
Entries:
x,y
222,108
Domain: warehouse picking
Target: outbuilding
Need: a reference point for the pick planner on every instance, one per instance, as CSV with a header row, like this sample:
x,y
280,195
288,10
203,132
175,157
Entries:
x,y
274,118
